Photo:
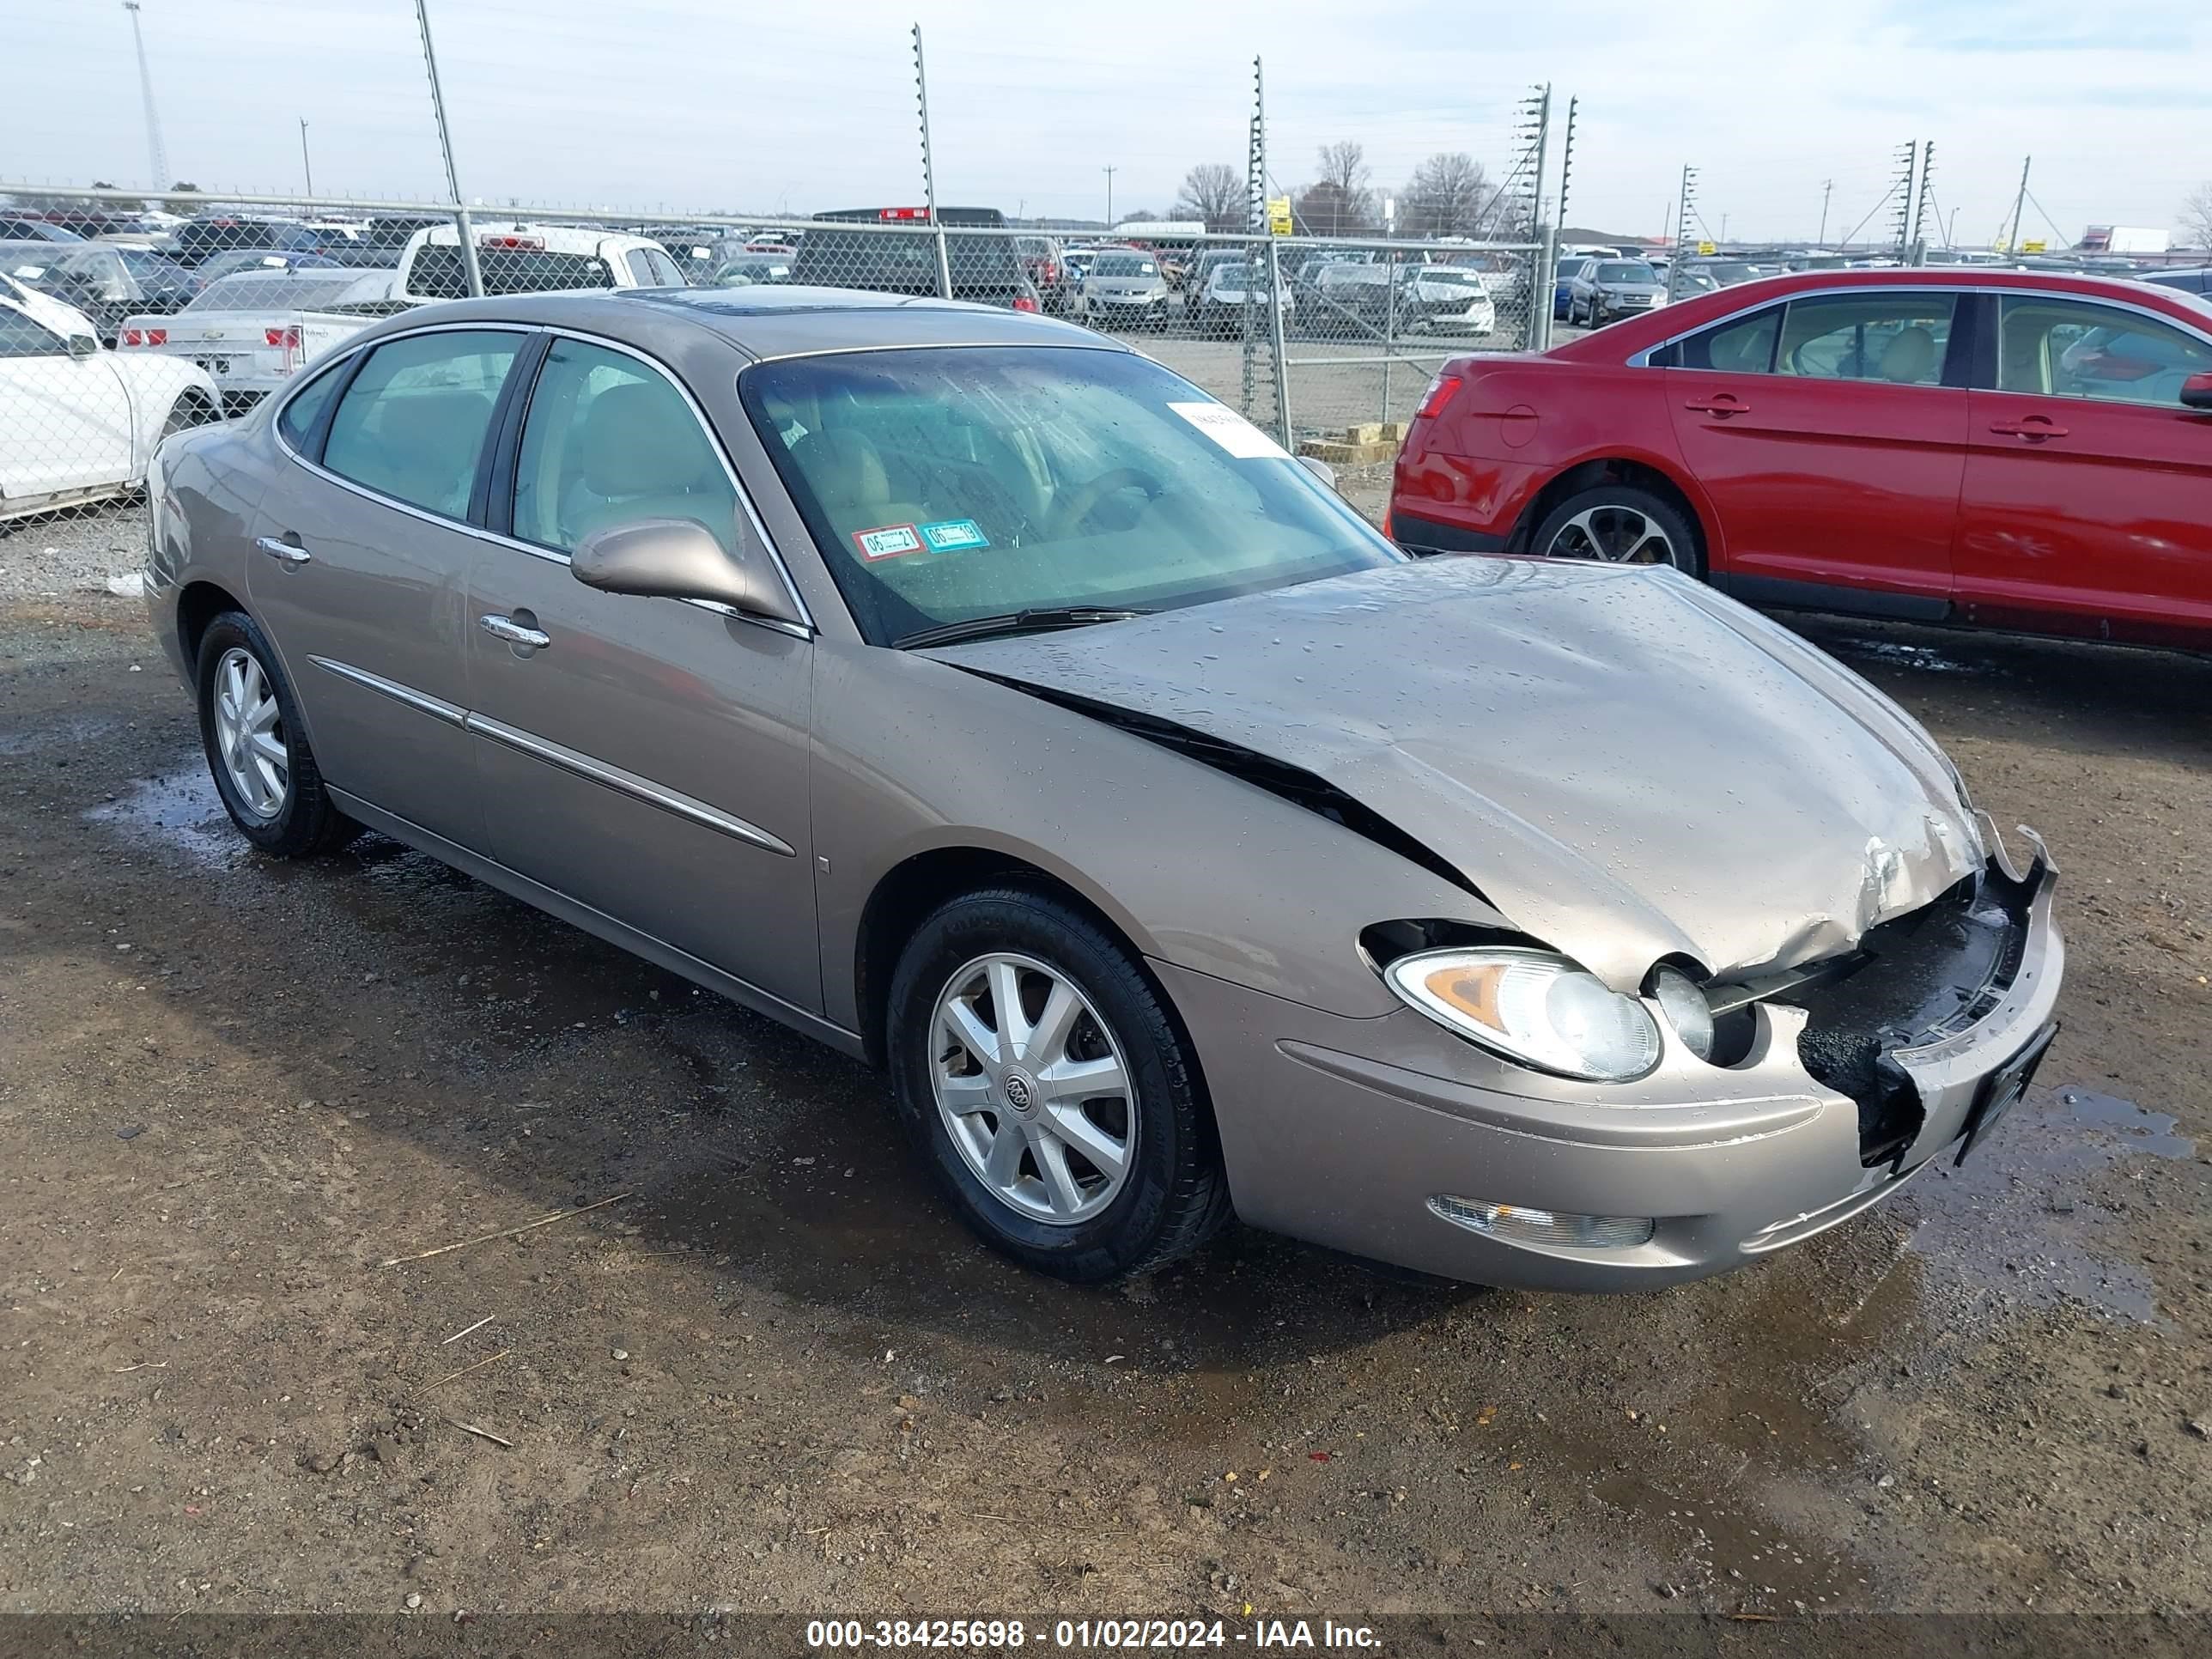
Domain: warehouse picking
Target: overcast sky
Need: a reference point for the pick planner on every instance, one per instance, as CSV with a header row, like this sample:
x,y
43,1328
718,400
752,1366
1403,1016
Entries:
x,y
648,104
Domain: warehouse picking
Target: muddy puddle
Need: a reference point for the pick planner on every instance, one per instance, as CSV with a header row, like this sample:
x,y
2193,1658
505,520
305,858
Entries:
x,y
2033,1216
179,811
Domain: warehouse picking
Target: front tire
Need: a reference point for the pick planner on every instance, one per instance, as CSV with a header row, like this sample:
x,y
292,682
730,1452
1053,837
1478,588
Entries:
x,y
256,746
1037,1070
1620,524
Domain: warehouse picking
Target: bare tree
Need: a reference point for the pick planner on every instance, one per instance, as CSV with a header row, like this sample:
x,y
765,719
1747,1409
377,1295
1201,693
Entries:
x,y
2196,216
1339,203
1214,192
1445,196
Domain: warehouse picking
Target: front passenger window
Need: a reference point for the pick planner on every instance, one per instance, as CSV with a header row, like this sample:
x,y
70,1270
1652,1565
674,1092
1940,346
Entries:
x,y
412,424
609,441
2079,349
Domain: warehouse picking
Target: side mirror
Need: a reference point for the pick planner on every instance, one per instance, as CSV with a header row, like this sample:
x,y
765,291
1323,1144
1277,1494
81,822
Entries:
x,y
1320,468
678,559
2197,392
82,346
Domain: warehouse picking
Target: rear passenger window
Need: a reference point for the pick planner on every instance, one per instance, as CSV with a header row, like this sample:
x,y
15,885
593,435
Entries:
x,y
412,423
297,423
1894,339
609,441
1744,345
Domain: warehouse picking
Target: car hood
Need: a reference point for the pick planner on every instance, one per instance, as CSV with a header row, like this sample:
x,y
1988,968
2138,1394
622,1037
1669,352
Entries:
x,y
1624,763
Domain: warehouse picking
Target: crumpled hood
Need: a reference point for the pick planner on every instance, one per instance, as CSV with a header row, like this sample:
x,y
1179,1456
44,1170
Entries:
x,y
1625,763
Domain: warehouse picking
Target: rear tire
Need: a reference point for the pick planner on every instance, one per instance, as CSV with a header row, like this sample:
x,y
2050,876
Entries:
x,y
1621,524
256,746
1168,1194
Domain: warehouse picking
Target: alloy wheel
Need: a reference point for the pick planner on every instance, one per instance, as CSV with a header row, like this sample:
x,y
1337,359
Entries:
x,y
1616,535
249,729
1033,1088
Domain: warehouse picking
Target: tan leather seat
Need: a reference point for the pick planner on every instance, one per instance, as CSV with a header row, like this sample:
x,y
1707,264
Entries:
x,y
1910,359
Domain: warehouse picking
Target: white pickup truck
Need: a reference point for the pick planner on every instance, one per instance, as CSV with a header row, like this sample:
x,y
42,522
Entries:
x,y
253,331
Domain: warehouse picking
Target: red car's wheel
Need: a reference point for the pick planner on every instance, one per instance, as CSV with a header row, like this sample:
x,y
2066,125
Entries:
x,y
1620,524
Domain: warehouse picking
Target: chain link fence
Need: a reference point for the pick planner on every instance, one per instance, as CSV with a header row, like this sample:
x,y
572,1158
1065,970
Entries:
x,y
170,318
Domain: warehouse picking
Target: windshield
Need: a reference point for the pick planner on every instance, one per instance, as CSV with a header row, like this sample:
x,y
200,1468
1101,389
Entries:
x,y
945,484
277,290
1627,271
29,262
1123,264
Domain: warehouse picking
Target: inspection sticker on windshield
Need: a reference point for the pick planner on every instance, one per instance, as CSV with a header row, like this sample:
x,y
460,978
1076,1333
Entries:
x,y
887,542
952,535
1231,431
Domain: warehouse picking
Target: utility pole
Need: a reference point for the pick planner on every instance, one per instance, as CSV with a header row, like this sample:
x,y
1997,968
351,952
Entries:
x,y
1827,189
1566,162
462,228
1723,229
1109,173
157,159
306,166
2012,241
1684,247
929,172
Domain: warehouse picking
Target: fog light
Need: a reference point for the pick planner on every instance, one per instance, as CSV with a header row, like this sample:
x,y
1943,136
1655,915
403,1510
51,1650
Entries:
x,y
1522,1226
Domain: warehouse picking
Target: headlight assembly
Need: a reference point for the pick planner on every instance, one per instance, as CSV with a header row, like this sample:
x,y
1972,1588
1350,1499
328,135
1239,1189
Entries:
x,y
1533,1008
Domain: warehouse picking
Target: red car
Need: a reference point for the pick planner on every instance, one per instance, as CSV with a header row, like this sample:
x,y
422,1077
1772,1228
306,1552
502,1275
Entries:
x,y
2009,449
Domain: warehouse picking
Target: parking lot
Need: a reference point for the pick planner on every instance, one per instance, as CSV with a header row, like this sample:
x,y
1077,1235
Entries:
x,y
769,1371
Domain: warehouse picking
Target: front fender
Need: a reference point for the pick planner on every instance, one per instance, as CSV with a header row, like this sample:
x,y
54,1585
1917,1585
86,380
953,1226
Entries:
x,y
1196,868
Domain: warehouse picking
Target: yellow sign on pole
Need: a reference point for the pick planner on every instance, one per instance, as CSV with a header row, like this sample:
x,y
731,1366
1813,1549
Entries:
x,y
1706,250
2033,247
1278,215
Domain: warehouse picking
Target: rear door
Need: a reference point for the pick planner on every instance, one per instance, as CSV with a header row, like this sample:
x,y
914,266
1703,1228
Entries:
x,y
1829,435
2087,507
362,565
646,757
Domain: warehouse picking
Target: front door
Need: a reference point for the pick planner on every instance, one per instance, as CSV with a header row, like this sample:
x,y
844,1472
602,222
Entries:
x,y
1829,434
361,567
2087,508
646,757
65,419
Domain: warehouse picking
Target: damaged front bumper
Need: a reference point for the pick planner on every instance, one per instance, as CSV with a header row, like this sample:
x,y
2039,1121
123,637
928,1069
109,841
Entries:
x,y
1381,1136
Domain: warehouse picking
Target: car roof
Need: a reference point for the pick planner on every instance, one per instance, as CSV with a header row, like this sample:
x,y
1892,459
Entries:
x,y
770,321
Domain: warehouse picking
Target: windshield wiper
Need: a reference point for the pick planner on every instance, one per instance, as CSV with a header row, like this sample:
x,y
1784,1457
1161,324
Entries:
x,y
1015,621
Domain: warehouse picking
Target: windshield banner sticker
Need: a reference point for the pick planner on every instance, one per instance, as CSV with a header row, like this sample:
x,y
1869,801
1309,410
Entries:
x,y
1231,431
954,535
887,541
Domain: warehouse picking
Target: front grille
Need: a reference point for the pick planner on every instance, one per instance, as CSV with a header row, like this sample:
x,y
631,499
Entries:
x,y
1910,981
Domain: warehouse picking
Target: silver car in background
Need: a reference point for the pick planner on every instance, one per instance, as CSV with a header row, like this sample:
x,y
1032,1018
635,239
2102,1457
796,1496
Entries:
x,y
1606,290
1125,289
972,693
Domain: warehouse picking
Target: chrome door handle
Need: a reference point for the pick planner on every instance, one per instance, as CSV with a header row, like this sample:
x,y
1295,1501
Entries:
x,y
288,552
506,627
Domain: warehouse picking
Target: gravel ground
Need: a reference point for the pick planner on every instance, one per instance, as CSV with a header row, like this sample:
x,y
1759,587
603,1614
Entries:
x,y
774,1375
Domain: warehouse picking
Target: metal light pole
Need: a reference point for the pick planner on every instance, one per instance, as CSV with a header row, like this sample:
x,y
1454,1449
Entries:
x,y
157,159
306,166
461,225
1109,173
1827,189
929,172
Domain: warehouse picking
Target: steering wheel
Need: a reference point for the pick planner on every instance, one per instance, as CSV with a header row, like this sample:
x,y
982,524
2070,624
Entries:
x,y
1070,509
